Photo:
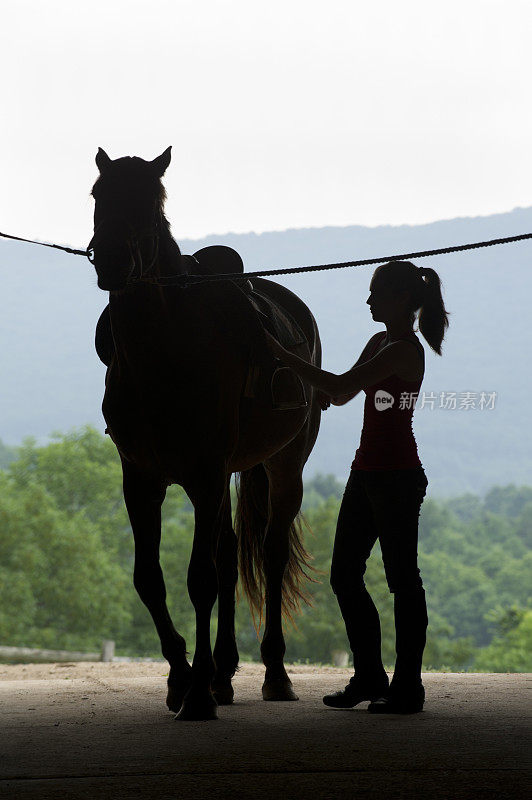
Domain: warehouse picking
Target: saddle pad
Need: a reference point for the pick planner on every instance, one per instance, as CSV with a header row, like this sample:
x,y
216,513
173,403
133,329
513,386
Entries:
x,y
279,322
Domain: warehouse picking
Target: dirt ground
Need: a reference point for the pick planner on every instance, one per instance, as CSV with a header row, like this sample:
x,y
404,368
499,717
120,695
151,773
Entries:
x,y
94,730
117,669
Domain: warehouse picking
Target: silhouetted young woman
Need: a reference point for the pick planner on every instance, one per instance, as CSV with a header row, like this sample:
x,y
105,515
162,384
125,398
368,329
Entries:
x,y
386,487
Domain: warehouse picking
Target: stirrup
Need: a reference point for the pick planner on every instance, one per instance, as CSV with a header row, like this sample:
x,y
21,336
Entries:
x,y
288,405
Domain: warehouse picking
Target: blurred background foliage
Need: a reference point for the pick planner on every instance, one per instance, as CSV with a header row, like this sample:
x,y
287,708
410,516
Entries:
x,y
66,564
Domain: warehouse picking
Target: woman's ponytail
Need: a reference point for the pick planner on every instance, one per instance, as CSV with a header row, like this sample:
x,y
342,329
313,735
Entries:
x,y
433,318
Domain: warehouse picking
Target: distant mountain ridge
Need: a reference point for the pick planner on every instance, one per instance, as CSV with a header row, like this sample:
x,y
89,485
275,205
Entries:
x,y
50,377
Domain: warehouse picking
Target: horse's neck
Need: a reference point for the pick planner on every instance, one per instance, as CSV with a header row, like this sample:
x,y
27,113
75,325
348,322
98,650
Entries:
x,y
169,261
143,315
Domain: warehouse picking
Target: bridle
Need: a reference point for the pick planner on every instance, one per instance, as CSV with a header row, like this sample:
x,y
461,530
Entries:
x,y
139,269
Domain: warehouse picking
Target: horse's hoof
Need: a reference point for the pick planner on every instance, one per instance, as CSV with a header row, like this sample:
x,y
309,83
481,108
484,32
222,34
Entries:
x,y
198,706
281,690
174,698
223,691
177,689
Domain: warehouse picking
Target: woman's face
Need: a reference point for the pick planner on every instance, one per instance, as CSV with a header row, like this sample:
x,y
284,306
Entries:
x,y
380,300
384,303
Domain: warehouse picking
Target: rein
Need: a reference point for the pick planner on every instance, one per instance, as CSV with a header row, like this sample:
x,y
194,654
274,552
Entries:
x,y
45,244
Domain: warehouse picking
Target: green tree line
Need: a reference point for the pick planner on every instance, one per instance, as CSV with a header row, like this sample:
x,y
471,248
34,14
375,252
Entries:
x,y
66,564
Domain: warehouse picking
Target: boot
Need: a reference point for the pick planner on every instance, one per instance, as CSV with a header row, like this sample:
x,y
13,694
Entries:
x,y
406,694
362,624
363,630
399,701
357,690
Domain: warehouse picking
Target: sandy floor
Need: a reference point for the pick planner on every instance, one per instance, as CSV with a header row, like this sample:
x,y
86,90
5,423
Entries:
x,y
145,669
73,731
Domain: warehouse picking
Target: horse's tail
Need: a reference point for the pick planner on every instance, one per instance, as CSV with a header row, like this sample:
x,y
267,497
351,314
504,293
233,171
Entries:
x,y
250,525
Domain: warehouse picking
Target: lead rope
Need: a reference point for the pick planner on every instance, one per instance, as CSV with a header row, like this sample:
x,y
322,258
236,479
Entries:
x,y
45,244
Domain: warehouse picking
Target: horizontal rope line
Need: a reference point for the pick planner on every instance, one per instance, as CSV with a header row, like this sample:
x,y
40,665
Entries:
x,y
175,280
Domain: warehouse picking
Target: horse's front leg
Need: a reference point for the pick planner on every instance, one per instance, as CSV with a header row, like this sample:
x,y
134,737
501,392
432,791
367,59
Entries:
x,y
225,649
199,702
285,502
144,495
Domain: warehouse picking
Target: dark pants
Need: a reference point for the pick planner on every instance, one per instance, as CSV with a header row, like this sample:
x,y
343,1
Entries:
x,y
384,505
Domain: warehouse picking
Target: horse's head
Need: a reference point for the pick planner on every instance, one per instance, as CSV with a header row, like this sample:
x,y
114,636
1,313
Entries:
x,y
128,214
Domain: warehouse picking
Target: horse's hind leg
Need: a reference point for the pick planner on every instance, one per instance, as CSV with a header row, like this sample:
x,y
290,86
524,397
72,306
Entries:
x,y
225,649
286,493
144,496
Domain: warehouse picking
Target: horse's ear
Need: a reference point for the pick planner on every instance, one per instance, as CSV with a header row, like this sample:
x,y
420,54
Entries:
x,y
102,160
160,164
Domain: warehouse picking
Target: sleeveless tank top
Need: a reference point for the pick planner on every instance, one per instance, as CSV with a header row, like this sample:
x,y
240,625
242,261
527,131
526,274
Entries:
x,y
387,440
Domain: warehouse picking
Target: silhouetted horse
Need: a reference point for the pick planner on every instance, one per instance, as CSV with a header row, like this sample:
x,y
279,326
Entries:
x,y
175,408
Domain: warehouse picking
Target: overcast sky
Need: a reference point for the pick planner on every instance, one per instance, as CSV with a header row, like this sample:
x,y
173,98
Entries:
x,y
281,114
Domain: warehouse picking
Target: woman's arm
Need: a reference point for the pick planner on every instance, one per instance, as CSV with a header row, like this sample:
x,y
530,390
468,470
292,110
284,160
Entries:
x,y
341,400
381,366
325,381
